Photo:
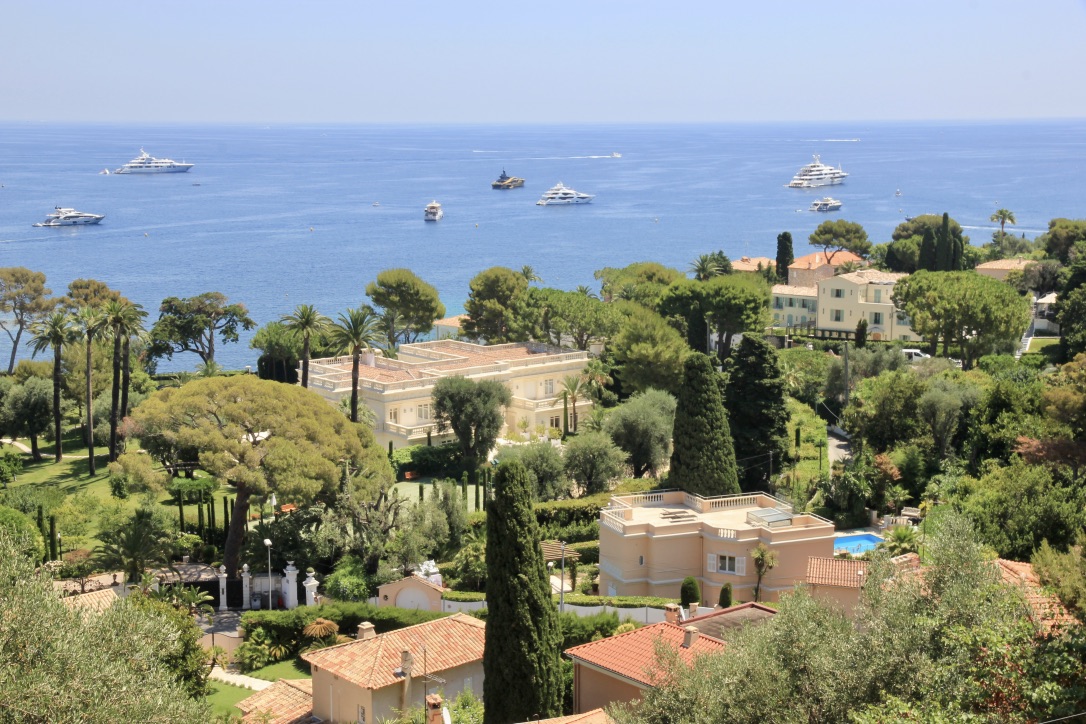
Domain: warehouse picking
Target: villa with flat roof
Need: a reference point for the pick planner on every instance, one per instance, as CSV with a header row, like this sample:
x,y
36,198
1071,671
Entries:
x,y
650,542
398,391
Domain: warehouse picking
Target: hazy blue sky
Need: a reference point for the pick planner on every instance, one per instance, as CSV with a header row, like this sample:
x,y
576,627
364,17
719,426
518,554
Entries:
x,y
569,61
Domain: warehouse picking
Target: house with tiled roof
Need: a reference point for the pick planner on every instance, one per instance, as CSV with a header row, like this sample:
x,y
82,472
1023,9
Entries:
x,y
287,701
399,391
596,716
837,581
753,264
793,306
722,620
1046,609
95,601
807,271
368,679
620,668
449,327
1001,268
866,294
411,592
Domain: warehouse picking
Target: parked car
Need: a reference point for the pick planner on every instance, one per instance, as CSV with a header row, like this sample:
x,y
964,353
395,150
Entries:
x,y
914,354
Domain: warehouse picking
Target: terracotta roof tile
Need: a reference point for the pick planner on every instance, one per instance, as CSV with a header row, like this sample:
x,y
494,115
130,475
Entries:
x,y
284,702
835,572
95,601
749,264
596,716
371,664
817,259
789,290
1048,611
415,578
1005,264
633,655
873,276
716,623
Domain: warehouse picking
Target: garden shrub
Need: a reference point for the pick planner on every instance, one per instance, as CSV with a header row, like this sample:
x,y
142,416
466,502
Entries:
x,y
579,532
23,532
464,596
426,460
725,599
579,599
589,550
689,592
577,630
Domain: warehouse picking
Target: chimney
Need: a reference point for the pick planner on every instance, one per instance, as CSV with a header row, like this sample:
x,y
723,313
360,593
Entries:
x,y
690,637
406,661
671,613
366,631
433,709
692,611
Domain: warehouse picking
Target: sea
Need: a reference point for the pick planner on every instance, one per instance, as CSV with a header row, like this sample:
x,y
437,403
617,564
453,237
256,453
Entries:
x,y
275,216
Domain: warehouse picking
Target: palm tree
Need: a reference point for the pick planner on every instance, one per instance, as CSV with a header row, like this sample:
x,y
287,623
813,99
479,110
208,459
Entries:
x,y
306,321
1003,217
573,389
705,267
596,376
89,323
123,319
529,274
902,539
765,560
54,331
355,331
847,268
587,291
211,368
135,546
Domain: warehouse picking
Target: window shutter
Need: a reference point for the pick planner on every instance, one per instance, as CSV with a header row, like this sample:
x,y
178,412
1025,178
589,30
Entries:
x,y
711,563
741,566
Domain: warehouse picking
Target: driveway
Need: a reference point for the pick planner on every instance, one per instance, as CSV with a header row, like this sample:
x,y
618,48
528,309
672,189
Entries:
x,y
838,448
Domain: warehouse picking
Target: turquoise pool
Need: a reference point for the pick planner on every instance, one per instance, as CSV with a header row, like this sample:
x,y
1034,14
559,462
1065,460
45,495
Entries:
x,y
856,544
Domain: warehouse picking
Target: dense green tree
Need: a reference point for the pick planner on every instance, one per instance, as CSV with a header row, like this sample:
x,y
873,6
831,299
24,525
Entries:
x,y
648,353
54,331
280,351
706,266
641,427
901,256
306,322
135,545
1064,572
1062,237
593,461
354,333
703,455
192,324
884,410
521,657
564,318
640,282
422,533
928,256
841,235
490,305
739,303
19,530
184,655
24,298
415,303
917,225
261,437
689,592
804,373
785,255
757,414
87,293
28,411
473,411
544,463
1071,315
687,300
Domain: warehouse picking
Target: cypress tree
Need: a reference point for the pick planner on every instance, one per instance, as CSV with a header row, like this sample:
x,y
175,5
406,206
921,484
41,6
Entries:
x,y
225,514
957,263
703,456
200,521
522,676
785,255
861,334
944,246
181,510
41,522
53,538
927,258
211,512
757,411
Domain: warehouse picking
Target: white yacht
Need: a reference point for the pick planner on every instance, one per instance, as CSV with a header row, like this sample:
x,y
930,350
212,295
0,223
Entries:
x,y
817,174
561,194
69,217
146,163
825,204
432,212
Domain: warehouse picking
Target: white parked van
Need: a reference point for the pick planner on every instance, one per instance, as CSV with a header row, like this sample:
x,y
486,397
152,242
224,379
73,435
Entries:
x,y
914,354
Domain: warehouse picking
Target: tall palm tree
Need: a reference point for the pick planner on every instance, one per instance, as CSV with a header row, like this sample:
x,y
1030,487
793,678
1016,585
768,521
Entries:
x,y
529,274
587,291
573,389
355,331
89,322
1003,217
54,331
123,319
307,322
705,267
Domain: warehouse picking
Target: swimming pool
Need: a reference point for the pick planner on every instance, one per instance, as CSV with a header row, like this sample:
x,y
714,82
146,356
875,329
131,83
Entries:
x,y
856,544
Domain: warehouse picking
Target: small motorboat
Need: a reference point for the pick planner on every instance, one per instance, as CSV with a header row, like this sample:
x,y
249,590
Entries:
x,y
825,204
69,217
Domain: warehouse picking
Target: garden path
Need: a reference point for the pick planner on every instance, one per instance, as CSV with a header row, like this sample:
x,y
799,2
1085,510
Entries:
x,y
249,682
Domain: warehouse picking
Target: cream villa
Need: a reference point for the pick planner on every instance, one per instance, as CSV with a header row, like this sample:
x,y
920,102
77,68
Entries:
x,y
794,306
650,542
866,294
398,391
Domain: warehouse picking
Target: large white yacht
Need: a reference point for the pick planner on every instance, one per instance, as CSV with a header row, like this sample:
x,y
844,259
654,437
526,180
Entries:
x,y
432,212
146,163
817,174
69,217
825,204
561,194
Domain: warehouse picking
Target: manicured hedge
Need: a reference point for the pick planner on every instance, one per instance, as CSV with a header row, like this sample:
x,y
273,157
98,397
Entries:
x,y
288,625
436,460
576,511
589,550
464,596
579,599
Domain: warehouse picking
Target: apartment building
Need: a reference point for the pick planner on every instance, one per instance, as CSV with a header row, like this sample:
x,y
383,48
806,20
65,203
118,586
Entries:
x,y
794,306
808,270
866,294
650,542
399,391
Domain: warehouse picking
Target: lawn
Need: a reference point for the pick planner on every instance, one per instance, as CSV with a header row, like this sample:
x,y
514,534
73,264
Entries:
x,y
813,455
224,697
292,669
410,491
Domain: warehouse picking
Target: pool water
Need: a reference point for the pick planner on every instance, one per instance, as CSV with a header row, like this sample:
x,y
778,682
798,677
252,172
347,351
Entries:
x,y
856,544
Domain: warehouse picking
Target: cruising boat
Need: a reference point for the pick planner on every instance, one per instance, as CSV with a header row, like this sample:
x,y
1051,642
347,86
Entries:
x,y
561,194
432,212
825,204
146,163
69,217
507,182
817,174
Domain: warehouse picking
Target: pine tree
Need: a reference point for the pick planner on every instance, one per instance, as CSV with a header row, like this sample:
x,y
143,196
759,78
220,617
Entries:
x,y
521,666
757,413
785,255
927,258
703,456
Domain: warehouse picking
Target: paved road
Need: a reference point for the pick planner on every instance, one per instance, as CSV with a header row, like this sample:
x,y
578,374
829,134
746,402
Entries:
x,y
839,449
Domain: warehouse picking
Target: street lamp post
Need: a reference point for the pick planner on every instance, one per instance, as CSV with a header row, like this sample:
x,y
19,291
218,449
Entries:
x,y
271,601
562,579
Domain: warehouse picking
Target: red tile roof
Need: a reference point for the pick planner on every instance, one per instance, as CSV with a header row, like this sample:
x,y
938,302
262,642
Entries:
x,y
95,601
596,716
715,623
1048,611
372,663
632,655
817,259
748,264
284,702
835,572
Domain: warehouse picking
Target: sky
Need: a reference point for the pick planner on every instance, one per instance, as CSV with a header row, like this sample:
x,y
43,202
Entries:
x,y
587,61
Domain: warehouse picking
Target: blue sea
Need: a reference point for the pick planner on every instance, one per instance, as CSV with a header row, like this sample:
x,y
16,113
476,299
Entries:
x,y
274,216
